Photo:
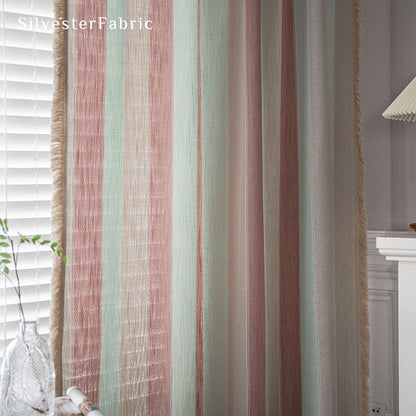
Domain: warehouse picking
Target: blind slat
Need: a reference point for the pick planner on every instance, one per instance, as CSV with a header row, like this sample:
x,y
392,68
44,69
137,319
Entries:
x,y
27,193
27,209
28,226
29,294
22,38
22,141
24,72
17,124
25,56
25,108
38,7
26,90
12,20
30,310
26,176
24,158
12,328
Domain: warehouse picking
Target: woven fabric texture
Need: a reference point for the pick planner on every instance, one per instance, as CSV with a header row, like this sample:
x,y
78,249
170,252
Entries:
x,y
215,230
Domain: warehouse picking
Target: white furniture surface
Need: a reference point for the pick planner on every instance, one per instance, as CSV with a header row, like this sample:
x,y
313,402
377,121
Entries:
x,y
403,250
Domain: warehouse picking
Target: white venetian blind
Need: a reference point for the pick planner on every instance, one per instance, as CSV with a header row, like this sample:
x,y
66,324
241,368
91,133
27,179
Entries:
x,y
25,175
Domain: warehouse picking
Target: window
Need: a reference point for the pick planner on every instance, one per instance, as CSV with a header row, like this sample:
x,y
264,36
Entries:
x,y
25,176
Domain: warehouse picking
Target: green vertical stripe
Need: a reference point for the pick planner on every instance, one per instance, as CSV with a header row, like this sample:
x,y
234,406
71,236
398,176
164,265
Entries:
x,y
330,27
185,175
112,215
309,339
214,202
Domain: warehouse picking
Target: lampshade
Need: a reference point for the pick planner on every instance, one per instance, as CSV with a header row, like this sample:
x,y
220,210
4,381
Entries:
x,y
403,108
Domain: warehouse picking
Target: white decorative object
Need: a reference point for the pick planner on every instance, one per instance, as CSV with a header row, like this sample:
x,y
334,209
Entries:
x,y
403,250
403,108
27,375
82,402
64,406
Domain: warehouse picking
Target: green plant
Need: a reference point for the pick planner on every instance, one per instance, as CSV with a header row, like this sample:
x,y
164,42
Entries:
x,y
9,257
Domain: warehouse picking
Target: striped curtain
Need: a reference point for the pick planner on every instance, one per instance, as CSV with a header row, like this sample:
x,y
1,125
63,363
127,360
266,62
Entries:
x,y
209,190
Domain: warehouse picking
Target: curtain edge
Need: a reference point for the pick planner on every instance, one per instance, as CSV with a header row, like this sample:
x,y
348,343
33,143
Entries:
x,y
362,284
58,134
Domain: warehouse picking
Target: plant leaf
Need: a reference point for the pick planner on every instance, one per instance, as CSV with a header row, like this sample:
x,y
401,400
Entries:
x,y
6,270
53,245
36,238
2,244
64,259
6,255
3,237
45,242
23,239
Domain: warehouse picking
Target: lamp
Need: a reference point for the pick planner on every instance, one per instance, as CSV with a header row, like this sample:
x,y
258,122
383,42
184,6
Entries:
x,y
403,108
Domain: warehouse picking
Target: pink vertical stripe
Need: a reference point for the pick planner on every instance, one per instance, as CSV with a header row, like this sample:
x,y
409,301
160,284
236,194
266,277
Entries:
x,y
160,216
255,237
290,358
199,310
87,190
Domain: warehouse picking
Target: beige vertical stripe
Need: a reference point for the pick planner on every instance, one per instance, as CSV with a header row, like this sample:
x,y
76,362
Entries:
x,y
71,86
347,176
134,269
271,22
58,199
361,243
237,237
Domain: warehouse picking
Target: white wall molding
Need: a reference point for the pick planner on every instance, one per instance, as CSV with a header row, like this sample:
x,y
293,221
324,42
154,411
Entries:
x,y
382,274
382,304
383,349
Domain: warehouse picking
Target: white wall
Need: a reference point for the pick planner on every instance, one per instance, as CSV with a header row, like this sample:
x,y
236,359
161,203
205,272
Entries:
x,y
403,138
375,96
388,65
